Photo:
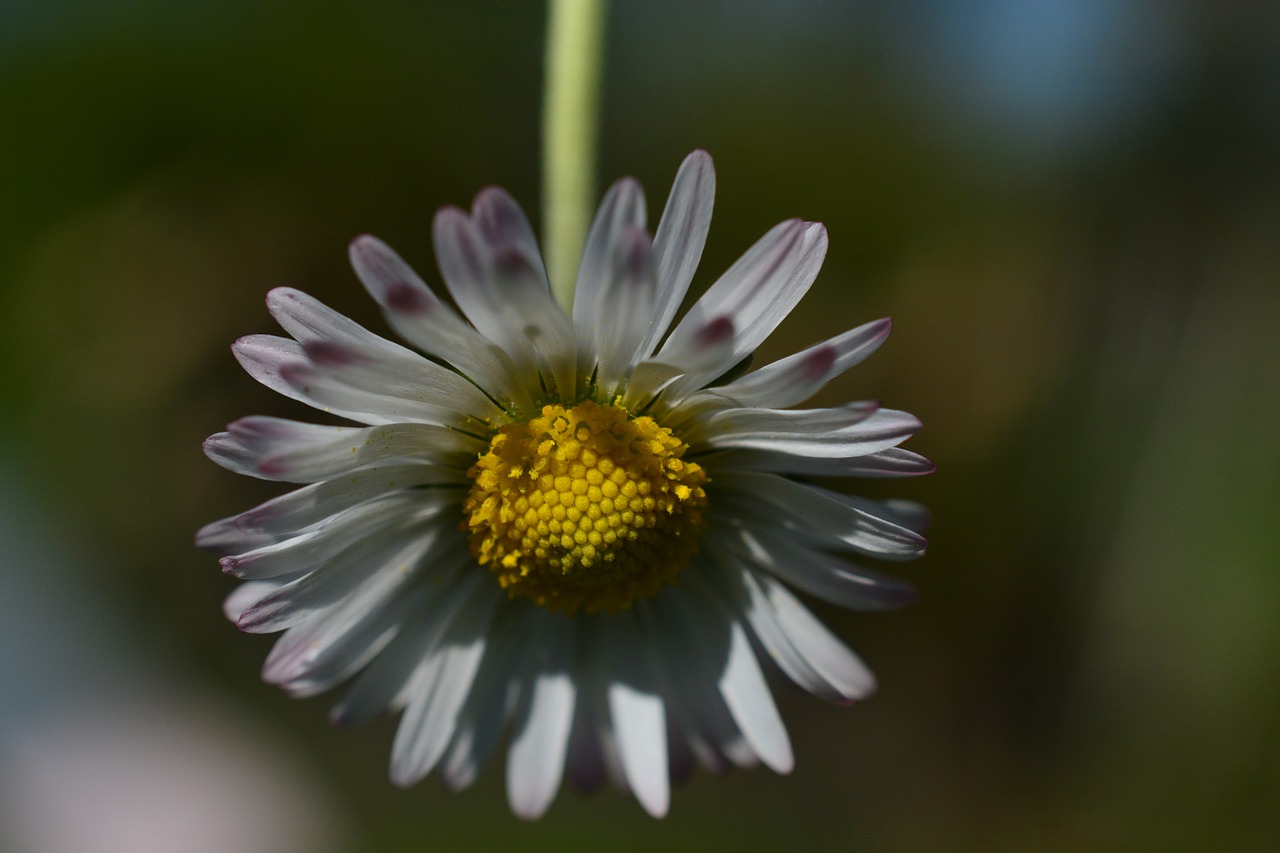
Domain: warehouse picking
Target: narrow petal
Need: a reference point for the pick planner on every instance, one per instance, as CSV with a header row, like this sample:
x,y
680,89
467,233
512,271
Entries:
x,y
756,293
430,719
535,761
798,377
708,345
893,462
301,508
743,686
795,509
309,320
638,715
735,424
803,648
414,311
503,294
384,680
798,433
680,238
370,567
621,213
337,642
244,595
490,703
608,340
818,573
309,549
411,378
277,449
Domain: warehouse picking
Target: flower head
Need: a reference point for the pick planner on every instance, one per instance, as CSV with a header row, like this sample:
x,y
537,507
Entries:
x,y
572,528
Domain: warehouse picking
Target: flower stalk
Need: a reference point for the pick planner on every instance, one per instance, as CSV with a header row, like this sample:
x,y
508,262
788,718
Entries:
x,y
570,126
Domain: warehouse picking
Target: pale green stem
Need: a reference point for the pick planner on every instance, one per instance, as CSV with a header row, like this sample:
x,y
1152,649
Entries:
x,y
570,119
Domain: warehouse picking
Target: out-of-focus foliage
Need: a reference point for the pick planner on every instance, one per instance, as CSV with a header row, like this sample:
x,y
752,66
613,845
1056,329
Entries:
x,y
1071,209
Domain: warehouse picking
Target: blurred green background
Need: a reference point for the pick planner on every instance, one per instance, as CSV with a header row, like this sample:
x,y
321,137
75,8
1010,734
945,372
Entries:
x,y
1071,209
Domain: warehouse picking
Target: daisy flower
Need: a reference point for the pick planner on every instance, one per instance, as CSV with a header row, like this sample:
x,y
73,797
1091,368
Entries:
x,y
578,532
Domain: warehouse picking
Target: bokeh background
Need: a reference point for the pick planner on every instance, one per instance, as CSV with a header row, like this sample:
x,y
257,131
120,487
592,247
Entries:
x,y
1071,209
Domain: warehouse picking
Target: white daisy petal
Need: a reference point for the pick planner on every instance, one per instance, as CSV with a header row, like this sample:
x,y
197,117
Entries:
x,y
411,378
627,294
535,761
243,596
491,700
700,719
335,643
741,682
377,564
382,683
430,719
803,437
809,568
309,321
710,344
225,536
504,294
276,449
798,377
893,462
757,292
728,425
767,501
295,511
637,713
308,550
521,283
679,240
808,653
621,213
413,310
373,400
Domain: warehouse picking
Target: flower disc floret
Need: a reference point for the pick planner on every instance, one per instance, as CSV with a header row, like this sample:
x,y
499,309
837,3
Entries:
x,y
585,507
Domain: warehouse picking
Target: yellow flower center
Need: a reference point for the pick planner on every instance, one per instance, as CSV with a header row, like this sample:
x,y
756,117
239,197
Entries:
x,y
585,507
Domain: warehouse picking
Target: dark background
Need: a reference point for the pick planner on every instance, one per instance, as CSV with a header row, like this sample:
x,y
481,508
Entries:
x,y
1071,209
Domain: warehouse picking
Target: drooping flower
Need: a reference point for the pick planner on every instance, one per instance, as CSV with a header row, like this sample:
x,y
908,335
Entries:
x,y
578,529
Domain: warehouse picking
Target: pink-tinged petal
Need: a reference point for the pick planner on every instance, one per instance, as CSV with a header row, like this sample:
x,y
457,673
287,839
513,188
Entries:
x,y
879,431
244,596
308,550
798,377
709,345
338,641
368,568
277,449
504,294
756,293
414,311
309,320
299,509
615,281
